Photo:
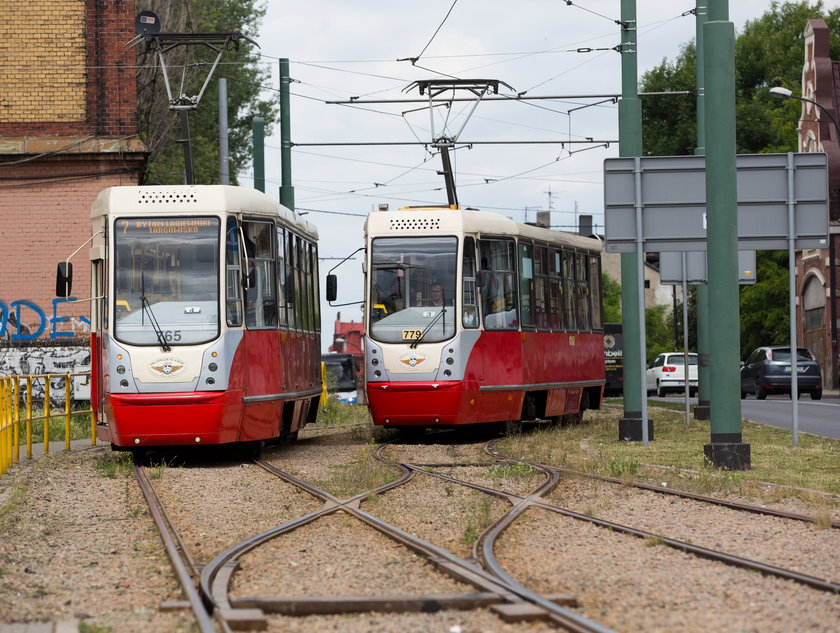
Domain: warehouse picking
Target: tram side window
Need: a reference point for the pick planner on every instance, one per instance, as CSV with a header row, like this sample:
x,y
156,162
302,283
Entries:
x,y
315,295
233,279
555,285
582,290
526,284
291,286
300,303
470,316
281,277
261,295
541,293
309,309
498,284
595,291
569,316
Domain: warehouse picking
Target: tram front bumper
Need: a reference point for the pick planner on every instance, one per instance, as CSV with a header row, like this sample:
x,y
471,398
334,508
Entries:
x,y
422,403
174,419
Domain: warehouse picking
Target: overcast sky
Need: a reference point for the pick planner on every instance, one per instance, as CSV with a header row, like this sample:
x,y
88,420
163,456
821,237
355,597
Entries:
x,y
339,50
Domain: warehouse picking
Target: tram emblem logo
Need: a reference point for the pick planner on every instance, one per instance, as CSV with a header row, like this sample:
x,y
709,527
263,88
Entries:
x,y
167,367
413,360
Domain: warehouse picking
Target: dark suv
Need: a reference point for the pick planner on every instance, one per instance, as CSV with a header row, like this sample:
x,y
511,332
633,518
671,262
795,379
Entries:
x,y
767,370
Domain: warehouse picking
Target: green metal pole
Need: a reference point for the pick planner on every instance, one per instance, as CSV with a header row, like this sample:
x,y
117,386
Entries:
x,y
726,449
701,411
258,128
287,192
630,427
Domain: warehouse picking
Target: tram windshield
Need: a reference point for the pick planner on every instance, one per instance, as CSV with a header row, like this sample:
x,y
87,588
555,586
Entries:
x,y
166,280
412,292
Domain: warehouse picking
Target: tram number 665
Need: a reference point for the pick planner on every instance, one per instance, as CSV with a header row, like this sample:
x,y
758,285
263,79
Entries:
x,y
411,335
171,335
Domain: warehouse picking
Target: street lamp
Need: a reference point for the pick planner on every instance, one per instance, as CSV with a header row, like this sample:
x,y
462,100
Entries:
x,y
784,93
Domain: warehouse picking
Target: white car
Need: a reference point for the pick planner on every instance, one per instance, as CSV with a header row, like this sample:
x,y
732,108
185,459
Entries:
x,y
667,373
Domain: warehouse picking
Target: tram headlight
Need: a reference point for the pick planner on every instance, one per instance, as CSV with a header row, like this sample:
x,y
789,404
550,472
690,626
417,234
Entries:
x,y
447,373
377,373
450,361
374,362
123,383
120,369
210,381
212,366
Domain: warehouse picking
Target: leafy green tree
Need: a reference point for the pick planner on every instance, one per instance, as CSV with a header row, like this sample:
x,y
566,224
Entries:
x,y
160,126
611,292
765,317
769,52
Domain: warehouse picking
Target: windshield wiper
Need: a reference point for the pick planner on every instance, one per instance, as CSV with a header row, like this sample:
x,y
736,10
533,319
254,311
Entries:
x,y
147,308
427,328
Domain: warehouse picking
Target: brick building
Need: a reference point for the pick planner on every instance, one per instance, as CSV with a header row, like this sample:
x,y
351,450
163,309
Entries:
x,y
68,129
816,270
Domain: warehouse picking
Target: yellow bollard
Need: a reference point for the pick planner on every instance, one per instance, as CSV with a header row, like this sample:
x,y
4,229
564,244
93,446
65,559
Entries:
x,y
67,412
29,417
47,414
16,416
3,428
323,384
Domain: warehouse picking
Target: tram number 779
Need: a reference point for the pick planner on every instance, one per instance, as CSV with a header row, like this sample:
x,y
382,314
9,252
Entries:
x,y
412,335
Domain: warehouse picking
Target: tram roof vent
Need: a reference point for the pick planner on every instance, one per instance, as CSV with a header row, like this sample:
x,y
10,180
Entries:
x,y
414,224
167,197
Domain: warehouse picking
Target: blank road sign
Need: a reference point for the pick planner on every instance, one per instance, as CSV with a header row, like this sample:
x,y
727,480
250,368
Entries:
x,y
671,268
673,201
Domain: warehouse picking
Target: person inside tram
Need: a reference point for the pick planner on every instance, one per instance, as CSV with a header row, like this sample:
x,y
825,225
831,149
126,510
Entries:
x,y
436,295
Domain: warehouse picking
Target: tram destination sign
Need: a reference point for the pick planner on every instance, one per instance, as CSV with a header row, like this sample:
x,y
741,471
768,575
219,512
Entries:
x,y
673,202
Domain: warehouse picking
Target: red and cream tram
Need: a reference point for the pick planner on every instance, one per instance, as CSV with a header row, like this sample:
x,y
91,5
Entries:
x,y
473,318
205,319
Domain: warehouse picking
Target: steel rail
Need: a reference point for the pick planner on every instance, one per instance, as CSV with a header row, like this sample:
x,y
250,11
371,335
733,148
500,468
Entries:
x,y
461,569
165,528
735,505
702,552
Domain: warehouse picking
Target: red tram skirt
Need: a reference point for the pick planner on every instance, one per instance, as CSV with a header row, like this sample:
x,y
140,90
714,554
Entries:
x,y
423,403
170,419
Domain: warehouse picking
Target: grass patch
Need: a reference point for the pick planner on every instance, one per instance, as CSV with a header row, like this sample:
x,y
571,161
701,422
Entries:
x,y
479,518
594,447
114,465
515,470
363,472
79,426
15,500
336,413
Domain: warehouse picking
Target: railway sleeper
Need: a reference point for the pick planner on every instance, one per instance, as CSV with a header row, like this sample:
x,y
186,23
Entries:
x,y
428,603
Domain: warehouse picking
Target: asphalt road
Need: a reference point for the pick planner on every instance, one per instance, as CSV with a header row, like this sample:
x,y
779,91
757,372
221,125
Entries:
x,y
818,417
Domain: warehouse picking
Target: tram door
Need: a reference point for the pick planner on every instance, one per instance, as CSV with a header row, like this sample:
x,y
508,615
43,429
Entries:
x,y
262,344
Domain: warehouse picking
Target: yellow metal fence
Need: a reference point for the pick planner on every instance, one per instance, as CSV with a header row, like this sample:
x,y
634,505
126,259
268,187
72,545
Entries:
x,y
19,414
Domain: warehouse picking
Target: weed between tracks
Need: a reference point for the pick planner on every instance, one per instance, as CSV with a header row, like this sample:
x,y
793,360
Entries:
x,y
479,518
675,457
363,472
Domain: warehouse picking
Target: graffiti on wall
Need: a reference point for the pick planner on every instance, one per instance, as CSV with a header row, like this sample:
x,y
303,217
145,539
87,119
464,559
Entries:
x,y
37,361
15,314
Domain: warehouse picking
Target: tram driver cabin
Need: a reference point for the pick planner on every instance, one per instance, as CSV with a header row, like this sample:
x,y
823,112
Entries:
x,y
473,318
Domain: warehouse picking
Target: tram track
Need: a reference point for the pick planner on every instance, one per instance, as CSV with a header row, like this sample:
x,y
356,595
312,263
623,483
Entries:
x,y
490,585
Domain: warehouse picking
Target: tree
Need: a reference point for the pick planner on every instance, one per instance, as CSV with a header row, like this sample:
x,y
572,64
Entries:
x,y
768,53
611,293
159,126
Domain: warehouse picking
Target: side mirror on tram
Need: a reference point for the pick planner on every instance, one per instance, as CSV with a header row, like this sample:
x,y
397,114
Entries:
x,y
64,280
332,288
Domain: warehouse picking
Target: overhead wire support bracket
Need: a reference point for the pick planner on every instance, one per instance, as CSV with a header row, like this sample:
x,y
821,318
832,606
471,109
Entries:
x,y
162,43
434,88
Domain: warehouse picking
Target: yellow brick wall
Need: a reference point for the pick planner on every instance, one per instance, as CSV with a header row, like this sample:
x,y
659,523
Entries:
x,y
42,61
